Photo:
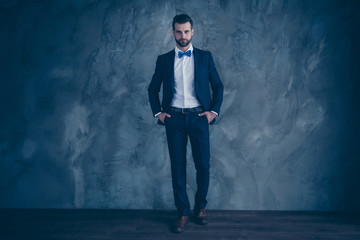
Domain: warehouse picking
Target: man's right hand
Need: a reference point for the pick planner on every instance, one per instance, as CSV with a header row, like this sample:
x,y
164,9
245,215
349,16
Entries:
x,y
162,117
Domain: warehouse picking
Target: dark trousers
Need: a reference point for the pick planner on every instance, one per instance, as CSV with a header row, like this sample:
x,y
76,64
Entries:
x,y
180,127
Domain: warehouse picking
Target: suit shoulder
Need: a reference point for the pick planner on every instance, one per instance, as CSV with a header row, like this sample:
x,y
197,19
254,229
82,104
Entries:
x,y
206,54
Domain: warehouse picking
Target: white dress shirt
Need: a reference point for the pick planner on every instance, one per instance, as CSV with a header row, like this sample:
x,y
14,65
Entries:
x,y
184,74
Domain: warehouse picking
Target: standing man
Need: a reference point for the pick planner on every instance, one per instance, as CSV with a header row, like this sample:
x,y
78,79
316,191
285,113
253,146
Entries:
x,y
186,110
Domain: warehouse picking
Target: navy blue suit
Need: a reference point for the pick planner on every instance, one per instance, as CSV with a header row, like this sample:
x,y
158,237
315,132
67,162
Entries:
x,y
181,126
205,72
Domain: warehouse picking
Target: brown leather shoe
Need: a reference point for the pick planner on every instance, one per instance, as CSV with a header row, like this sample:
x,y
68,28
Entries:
x,y
200,217
180,224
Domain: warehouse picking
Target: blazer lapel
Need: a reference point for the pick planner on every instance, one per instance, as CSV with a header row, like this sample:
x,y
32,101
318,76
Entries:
x,y
196,65
170,68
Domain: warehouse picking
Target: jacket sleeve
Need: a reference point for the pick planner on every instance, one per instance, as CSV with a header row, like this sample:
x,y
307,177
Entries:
x,y
216,87
154,88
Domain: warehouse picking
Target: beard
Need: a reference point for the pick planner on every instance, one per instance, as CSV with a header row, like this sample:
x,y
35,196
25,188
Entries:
x,y
183,44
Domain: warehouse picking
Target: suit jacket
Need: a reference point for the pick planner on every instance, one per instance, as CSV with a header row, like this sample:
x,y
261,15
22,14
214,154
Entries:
x,y
205,73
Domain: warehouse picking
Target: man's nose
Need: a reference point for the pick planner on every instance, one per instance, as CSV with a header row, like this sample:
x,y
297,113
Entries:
x,y
183,35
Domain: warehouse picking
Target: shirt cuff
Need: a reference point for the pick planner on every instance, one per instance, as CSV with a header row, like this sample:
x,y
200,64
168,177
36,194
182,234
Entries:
x,y
157,114
215,113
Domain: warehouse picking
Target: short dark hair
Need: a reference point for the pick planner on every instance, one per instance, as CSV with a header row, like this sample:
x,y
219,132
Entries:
x,y
182,18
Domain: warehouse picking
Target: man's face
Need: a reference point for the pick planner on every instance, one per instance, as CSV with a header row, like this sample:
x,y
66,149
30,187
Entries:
x,y
183,34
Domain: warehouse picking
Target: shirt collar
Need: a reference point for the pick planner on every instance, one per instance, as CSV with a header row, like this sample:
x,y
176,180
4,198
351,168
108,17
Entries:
x,y
177,50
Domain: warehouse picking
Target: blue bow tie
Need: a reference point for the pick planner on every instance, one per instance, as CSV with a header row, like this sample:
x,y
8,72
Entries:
x,y
187,53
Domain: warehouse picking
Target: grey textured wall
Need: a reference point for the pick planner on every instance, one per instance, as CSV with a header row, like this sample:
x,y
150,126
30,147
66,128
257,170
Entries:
x,y
76,130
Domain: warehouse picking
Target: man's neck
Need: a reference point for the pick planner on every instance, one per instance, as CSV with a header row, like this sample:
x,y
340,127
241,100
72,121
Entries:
x,y
184,49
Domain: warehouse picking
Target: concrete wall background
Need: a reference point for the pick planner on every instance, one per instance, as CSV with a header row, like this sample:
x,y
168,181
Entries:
x,y
76,129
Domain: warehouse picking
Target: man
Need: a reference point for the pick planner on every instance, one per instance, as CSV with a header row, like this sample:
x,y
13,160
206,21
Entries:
x,y
186,110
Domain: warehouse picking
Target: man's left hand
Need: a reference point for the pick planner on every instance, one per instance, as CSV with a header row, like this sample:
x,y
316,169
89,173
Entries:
x,y
209,115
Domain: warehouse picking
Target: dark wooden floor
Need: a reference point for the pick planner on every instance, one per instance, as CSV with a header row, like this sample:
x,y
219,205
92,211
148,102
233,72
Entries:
x,y
148,224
